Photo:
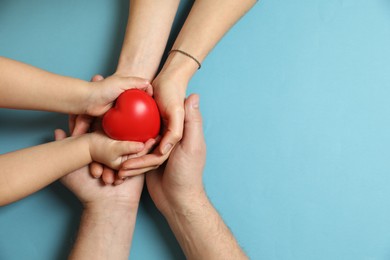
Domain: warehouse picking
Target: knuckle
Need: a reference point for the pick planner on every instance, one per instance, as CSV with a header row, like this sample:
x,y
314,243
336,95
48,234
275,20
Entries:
x,y
176,136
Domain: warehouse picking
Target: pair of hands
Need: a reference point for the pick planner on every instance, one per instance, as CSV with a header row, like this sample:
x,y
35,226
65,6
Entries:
x,y
172,186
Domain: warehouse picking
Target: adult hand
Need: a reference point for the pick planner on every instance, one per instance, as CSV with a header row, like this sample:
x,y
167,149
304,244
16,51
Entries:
x,y
178,183
169,93
92,192
108,220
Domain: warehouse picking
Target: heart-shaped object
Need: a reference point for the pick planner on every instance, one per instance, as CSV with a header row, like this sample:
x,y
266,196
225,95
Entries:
x,y
135,117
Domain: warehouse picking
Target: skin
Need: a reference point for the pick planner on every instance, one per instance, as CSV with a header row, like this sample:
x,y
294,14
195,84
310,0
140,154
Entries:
x,y
108,220
147,33
28,170
25,87
178,192
109,216
205,25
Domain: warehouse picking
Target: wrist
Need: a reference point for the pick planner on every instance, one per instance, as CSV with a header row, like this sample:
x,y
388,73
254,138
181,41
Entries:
x,y
110,207
187,205
83,102
135,67
179,66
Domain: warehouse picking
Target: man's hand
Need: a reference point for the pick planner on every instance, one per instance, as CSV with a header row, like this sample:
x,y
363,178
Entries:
x,y
109,216
177,190
179,182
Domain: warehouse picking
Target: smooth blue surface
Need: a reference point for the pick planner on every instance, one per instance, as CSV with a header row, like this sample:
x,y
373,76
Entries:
x,y
296,108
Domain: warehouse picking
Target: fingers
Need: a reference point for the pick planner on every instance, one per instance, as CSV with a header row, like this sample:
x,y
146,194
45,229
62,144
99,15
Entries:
x,y
96,169
108,175
149,90
174,130
134,82
193,130
128,173
146,161
59,134
147,149
82,124
97,77
126,147
130,149
71,123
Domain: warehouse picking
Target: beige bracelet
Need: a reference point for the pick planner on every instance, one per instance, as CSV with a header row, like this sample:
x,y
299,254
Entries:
x,y
188,55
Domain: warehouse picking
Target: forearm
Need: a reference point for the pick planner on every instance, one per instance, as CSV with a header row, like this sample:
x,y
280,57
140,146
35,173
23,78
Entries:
x,y
105,233
201,232
26,171
25,87
147,32
205,25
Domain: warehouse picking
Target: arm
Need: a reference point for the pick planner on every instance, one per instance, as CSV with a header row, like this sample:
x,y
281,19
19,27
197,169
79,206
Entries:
x,y
177,191
105,232
109,215
26,171
26,87
205,25
147,32
201,232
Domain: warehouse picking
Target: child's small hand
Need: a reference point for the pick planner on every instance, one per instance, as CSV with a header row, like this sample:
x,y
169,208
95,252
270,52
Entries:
x,y
111,152
103,93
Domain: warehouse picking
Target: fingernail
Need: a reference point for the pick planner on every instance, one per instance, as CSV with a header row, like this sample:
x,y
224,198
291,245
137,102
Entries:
x,y
167,148
195,105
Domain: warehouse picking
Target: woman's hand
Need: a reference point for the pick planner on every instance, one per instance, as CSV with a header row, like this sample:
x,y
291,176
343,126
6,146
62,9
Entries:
x,y
169,93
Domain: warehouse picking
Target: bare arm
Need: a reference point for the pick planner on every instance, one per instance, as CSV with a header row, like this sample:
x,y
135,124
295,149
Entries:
x,y
147,31
105,232
204,27
201,232
26,87
26,171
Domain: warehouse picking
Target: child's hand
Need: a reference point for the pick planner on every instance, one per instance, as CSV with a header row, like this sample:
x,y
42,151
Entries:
x,y
111,152
103,93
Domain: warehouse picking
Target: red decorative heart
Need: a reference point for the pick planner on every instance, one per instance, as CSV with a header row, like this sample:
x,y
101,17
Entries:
x,y
135,117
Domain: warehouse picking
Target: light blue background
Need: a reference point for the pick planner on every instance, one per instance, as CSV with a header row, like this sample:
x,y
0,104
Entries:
x,y
296,113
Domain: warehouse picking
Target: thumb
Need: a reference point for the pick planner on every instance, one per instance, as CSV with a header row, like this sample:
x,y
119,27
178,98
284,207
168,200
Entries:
x,y
59,134
127,147
135,82
193,130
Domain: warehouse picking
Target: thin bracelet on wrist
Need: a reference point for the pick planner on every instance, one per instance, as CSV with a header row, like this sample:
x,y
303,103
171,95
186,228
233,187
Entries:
x,y
188,55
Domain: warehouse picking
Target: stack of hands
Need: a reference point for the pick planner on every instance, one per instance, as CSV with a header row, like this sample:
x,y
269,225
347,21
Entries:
x,y
108,175
111,195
